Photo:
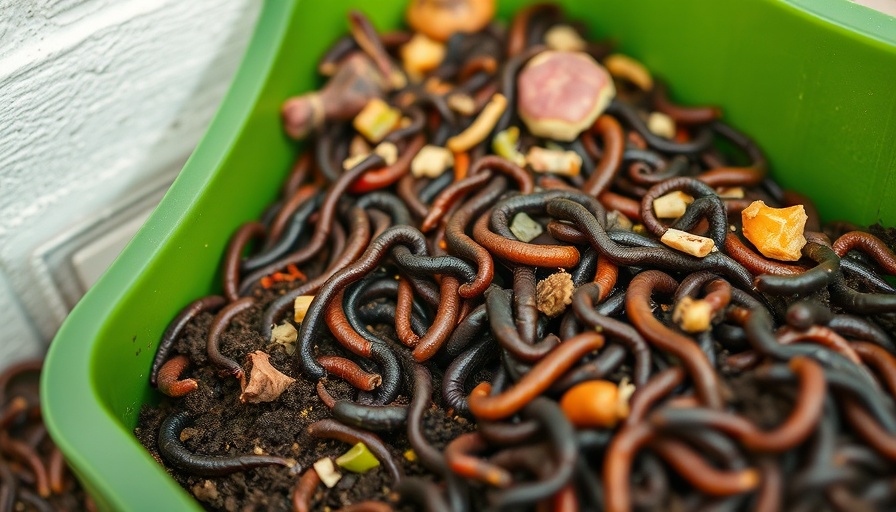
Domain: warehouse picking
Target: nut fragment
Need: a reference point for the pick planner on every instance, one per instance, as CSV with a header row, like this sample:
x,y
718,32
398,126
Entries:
x,y
266,383
563,163
692,315
525,228
421,55
431,161
554,293
327,472
439,19
387,150
694,245
776,232
376,120
461,103
284,333
564,38
625,67
301,306
661,124
672,205
560,94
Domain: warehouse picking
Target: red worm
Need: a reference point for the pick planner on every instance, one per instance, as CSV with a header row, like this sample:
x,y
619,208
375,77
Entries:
x,y
605,276
460,459
12,411
880,359
733,176
385,176
681,114
325,395
232,256
403,306
655,390
617,465
517,34
523,253
56,470
821,335
448,197
768,498
703,476
521,176
613,201
613,136
539,378
756,264
869,429
367,506
640,313
332,429
26,454
565,500
216,330
288,209
870,245
297,174
169,381
350,372
304,489
444,322
568,233
342,330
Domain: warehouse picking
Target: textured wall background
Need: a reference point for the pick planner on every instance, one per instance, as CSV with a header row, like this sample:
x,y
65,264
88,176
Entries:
x,y
101,101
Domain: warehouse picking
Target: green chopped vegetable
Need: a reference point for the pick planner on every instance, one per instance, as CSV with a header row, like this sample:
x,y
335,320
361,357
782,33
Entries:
x,y
504,144
358,459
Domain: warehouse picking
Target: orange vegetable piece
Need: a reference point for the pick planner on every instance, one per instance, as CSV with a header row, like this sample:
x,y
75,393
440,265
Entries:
x,y
776,232
594,404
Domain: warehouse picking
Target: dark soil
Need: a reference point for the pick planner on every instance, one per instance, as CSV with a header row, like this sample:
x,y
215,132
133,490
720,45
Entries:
x,y
225,426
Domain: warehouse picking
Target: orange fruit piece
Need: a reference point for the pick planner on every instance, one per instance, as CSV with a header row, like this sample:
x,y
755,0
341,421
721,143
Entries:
x,y
776,232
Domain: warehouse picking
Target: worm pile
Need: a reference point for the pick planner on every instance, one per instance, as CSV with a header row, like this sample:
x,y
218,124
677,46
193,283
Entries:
x,y
33,473
514,275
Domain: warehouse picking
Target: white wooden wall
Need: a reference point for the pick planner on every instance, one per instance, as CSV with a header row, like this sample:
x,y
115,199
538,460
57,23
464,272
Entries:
x,y
101,101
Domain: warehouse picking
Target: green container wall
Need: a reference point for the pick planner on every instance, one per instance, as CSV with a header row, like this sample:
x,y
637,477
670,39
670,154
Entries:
x,y
817,96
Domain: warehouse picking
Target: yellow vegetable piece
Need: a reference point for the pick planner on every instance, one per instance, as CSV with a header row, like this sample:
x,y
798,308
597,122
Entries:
x,y
775,232
358,459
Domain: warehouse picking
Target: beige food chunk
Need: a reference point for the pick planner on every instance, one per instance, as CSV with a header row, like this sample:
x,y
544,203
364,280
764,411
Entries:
x,y
685,242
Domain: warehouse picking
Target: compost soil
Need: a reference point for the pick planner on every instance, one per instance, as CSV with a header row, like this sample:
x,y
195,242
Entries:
x,y
225,426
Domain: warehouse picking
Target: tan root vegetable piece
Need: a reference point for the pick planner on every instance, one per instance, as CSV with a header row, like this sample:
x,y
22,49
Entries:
x,y
692,315
387,150
560,94
376,120
431,161
618,220
438,19
344,95
301,306
627,68
266,383
481,126
461,103
596,404
661,124
685,242
562,163
554,293
421,55
564,38
730,192
671,205
775,232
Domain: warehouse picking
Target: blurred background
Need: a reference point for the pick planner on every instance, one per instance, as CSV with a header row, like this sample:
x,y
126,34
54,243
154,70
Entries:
x,y
101,102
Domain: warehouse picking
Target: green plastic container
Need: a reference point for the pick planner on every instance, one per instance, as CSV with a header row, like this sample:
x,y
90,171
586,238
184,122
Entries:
x,y
818,95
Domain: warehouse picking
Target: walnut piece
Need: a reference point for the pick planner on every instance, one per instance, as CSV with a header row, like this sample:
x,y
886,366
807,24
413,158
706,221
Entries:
x,y
554,293
266,383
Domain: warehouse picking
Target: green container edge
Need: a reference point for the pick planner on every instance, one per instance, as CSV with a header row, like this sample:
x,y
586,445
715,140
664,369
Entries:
x,y
95,375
